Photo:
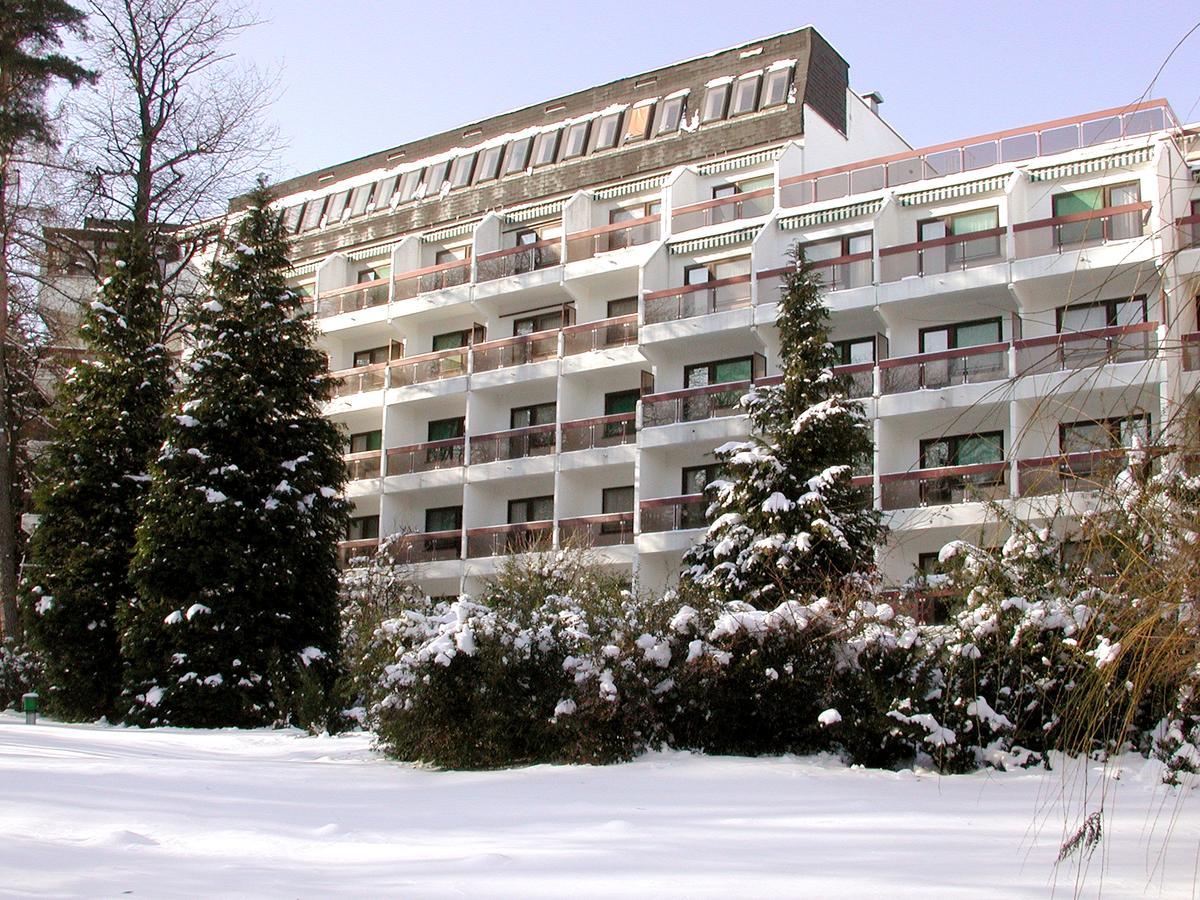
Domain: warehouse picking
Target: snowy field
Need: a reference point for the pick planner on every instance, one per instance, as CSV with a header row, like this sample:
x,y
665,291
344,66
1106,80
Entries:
x,y
96,811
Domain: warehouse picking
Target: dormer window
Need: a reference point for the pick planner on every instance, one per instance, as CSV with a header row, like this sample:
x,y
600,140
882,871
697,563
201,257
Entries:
x,y
607,130
383,191
337,205
312,213
745,95
716,99
545,148
671,116
408,184
489,164
360,197
576,143
518,156
637,123
460,172
776,88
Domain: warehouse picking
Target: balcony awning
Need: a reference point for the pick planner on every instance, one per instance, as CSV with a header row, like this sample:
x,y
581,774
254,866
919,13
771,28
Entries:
x,y
825,216
448,233
373,252
1098,164
951,191
739,162
714,241
537,211
630,187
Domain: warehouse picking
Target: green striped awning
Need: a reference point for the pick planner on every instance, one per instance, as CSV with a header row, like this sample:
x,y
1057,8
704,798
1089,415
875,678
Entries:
x,y
713,241
373,252
630,187
1097,164
449,232
950,191
825,216
739,162
537,211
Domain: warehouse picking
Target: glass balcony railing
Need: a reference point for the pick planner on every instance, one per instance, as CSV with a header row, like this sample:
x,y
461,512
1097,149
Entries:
x,y
503,540
697,299
621,331
410,370
694,404
604,431
1084,349
948,485
674,513
749,205
425,547
607,530
352,299
348,382
1189,230
1069,472
518,260
432,278
607,238
516,443
361,466
1045,237
515,351
966,365
426,457
354,554
938,256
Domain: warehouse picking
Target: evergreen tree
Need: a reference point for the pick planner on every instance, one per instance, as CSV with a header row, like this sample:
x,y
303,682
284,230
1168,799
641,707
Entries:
x,y
105,432
786,520
237,613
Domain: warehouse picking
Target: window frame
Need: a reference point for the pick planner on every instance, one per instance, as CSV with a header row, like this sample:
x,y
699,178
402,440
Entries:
x,y
1111,304
369,524
956,441
712,365
580,132
489,165
845,348
952,329
532,411
459,427
456,513
529,501
629,134
462,170
601,124
545,148
754,78
671,114
371,361
784,73
722,92
375,434
519,149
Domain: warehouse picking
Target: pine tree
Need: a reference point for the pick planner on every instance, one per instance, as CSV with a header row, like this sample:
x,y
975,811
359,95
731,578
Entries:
x,y
236,554
105,431
785,519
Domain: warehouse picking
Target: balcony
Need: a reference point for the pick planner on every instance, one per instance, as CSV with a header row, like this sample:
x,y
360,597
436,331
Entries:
x,y
674,513
859,379
351,299
1014,145
948,485
1191,352
518,260
503,540
517,443
604,431
937,256
967,365
1189,230
621,331
347,382
515,351
354,554
1069,472
1046,237
698,299
426,457
749,205
432,278
360,466
839,273
694,404
608,530
429,546
1083,349
620,235
427,367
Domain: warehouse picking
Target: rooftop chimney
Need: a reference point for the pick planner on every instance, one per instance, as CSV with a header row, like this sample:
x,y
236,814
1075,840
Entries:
x,y
874,99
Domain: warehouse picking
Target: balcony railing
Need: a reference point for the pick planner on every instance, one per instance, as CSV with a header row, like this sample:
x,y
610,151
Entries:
x,y
1085,229
428,546
694,404
1013,145
517,443
364,465
937,256
426,457
515,351
427,367
1069,472
502,540
350,299
674,513
838,273
966,365
1083,349
860,379
359,380
518,260
432,278
749,205
1189,230
352,554
621,331
952,484
608,530
605,431
617,236
698,299
1191,352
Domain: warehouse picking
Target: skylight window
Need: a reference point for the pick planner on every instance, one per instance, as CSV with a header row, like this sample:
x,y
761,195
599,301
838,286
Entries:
x,y
671,116
545,148
576,144
607,130
745,95
716,99
518,156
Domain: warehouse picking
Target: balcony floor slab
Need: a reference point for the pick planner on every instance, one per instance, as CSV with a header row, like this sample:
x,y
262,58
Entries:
x,y
526,467
727,428
698,326
419,481
623,454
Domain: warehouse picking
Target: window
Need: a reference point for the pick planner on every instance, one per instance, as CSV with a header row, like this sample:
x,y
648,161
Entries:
x,y
620,402
637,123
460,172
854,351
367,275
607,130
337,205
960,450
371,357
409,182
444,518
312,213
447,429
960,334
671,115
613,501
384,189
697,478
728,370
1096,437
846,245
366,441
935,260
545,148
698,274
637,234
528,416
1087,200
451,340
432,179
626,306
716,97
1102,314
858,273
576,143
776,89
360,199
363,528
489,164
518,156
544,321
530,509
526,237
745,95
291,218
447,256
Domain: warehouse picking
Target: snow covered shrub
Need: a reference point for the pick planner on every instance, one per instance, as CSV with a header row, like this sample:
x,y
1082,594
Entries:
x,y
18,673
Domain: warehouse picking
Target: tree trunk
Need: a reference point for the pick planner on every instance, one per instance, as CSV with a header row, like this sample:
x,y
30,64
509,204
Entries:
x,y
10,624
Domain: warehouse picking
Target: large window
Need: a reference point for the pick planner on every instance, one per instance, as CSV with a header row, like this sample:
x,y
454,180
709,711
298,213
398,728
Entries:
x,y
855,350
671,114
362,528
446,429
530,509
543,321
616,500
960,334
695,480
1102,314
444,518
960,253
745,95
365,441
371,357
1088,200
528,416
624,306
960,450
451,340
1093,438
721,372
716,99
617,403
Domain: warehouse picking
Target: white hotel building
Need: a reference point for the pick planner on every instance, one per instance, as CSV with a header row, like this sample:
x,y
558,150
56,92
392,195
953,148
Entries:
x,y
541,323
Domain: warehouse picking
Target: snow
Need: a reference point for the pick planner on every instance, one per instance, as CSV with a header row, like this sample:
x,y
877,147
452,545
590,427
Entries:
x,y
102,811
829,717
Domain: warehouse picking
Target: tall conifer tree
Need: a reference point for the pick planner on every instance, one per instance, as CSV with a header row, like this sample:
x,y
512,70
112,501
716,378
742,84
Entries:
x,y
236,552
786,520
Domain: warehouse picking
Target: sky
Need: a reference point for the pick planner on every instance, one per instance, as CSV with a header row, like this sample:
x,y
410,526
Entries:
x,y
358,76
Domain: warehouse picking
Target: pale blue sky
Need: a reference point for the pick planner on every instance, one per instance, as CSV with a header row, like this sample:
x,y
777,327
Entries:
x,y
364,75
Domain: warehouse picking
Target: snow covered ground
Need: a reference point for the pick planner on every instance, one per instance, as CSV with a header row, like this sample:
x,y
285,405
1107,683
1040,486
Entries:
x,y
98,811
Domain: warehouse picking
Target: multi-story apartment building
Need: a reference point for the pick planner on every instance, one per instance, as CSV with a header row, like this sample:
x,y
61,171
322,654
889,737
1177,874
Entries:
x,y
541,323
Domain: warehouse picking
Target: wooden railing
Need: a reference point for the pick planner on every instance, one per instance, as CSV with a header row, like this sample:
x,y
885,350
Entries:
x,y
937,256
1083,349
431,278
748,205
607,530
604,431
352,298
617,236
503,540
1044,237
951,484
445,454
621,331
694,404
518,260
515,351
964,365
674,513
697,299
516,443
409,370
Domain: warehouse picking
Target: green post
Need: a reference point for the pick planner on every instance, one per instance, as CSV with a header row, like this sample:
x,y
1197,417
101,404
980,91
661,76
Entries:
x,y
29,703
